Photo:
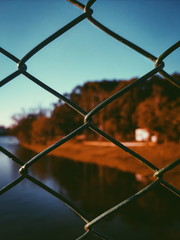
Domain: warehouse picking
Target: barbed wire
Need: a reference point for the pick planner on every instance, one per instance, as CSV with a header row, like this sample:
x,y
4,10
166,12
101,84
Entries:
x,y
88,119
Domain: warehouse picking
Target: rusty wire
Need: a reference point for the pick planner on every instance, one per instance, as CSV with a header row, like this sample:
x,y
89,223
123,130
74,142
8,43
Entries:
x,y
88,119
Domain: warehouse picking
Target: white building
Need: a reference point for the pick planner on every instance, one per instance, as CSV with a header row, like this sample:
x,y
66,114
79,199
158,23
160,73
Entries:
x,y
144,135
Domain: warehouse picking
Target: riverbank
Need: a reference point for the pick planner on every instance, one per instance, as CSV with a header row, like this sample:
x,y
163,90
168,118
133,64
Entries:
x,y
111,156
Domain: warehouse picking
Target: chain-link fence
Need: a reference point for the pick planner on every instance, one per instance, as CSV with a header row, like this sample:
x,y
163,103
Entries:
x,y
90,224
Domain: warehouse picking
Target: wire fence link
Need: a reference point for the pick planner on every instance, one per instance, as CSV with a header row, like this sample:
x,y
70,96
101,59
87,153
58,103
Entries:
x,y
88,119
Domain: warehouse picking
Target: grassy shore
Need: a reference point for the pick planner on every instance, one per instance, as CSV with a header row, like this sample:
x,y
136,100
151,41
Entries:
x,y
159,154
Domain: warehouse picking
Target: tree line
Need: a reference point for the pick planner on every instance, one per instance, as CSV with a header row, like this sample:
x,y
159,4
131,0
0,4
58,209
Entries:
x,y
154,105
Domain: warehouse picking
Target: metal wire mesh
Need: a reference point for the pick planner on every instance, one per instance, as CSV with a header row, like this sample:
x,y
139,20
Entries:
x,y
88,119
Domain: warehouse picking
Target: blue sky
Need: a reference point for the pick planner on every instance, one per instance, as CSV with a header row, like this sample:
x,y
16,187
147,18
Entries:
x,y
84,53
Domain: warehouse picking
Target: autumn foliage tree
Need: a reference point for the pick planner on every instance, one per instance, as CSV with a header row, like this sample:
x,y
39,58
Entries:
x,y
154,104
41,130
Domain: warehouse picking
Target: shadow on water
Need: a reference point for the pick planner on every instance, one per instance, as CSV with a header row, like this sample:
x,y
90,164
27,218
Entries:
x,y
94,189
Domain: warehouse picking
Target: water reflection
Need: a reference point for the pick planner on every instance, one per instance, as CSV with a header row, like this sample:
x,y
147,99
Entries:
x,y
95,189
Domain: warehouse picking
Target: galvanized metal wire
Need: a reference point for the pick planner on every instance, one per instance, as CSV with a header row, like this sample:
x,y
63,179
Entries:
x,y
158,174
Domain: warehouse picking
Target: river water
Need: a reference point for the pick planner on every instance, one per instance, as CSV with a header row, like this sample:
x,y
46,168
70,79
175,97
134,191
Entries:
x,y
27,212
